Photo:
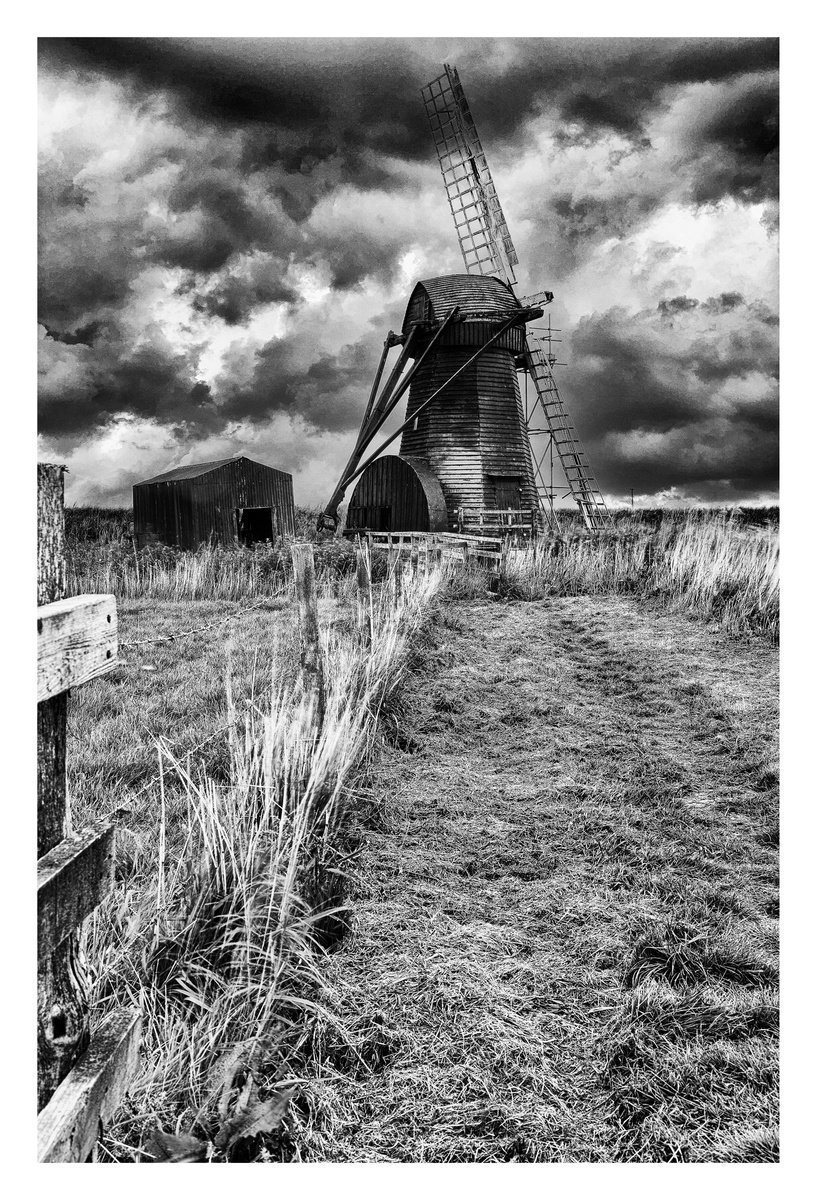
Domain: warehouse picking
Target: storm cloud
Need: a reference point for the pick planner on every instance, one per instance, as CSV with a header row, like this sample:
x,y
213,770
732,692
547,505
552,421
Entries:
x,y
229,227
687,392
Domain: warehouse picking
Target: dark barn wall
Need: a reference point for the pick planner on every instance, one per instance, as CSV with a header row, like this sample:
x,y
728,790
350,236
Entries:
x,y
240,484
395,494
161,511
187,512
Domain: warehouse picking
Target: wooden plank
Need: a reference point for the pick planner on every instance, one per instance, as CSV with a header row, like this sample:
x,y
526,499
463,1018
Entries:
x,y
312,677
472,539
364,592
62,1008
52,725
52,714
76,641
50,533
72,879
68,1126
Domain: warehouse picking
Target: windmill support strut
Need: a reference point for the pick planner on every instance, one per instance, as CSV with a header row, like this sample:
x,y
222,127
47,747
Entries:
x,y
385,408
377,416
387,345
329,517
525,314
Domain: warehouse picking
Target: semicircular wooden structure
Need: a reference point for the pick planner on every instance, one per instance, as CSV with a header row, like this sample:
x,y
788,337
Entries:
x,y
396,493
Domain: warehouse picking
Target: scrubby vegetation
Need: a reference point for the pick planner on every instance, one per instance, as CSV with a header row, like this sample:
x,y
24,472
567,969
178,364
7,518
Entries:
x,y
230,889
716,568
211,573
719,566
561,860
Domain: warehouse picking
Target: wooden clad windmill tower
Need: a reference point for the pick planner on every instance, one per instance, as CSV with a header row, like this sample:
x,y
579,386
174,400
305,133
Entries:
x,y
466,438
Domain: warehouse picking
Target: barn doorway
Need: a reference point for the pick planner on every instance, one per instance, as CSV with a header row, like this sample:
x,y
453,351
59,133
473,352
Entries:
x,y
254,525
507,491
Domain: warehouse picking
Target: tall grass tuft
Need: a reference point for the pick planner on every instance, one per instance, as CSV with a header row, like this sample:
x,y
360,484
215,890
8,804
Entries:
x,y
218,932
717,569
714,567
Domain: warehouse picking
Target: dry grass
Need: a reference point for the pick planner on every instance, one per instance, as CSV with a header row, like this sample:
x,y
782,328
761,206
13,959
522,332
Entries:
x,y
101,557
212,572
715,568
564,943
562,940
230,886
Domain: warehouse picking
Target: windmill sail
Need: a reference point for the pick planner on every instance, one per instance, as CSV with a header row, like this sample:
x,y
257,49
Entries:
x,y
487,249
480,223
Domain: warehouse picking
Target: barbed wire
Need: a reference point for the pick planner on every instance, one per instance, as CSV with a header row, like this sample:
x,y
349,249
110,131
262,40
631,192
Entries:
x,y
172,637
181,752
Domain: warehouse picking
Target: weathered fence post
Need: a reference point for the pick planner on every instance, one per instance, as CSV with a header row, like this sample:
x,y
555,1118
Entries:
x,y
364,592
81,1079
62,1005
303,568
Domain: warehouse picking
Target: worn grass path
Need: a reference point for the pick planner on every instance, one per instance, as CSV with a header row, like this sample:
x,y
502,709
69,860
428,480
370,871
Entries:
x,y
564,932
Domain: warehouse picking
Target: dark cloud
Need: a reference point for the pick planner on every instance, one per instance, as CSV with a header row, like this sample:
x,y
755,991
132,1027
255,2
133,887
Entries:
x,y
251,173
225,221
84,388
336,94
682,395
678,304
738,138
341,92
85,335
328,393
258,280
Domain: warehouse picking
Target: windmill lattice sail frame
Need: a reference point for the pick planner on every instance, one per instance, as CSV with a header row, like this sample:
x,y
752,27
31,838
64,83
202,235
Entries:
x,y
488,249
482,230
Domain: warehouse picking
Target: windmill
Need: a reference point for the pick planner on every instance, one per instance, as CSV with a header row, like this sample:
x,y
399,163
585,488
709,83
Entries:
x,y
487,249
466,438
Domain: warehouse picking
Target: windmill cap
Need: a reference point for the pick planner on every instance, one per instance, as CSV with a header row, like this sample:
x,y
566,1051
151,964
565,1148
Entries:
x,y
478,297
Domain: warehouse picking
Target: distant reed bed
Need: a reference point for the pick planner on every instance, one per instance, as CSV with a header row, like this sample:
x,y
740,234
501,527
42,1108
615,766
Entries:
x,y
716,565
212,572
712,567
101,556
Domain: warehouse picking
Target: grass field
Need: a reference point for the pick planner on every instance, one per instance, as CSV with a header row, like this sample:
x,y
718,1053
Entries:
x,y
566,914
556,849
239,815
715,565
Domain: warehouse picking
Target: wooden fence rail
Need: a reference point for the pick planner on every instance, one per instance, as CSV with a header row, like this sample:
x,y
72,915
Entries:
x,y
462,547
523,524
81,1074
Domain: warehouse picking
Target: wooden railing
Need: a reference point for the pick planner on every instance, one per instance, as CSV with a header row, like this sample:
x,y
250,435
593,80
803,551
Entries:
x,y
439,547
82,1074
504,522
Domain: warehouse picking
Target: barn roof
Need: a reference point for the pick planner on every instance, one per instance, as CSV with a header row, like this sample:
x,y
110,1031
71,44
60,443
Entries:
x,y
475,294
190,471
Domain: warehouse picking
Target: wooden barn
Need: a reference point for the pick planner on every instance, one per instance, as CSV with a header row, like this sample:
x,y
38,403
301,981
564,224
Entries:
x,y
229,500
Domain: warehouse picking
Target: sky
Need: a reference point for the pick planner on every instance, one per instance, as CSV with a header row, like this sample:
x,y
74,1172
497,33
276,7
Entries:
x,y
229,228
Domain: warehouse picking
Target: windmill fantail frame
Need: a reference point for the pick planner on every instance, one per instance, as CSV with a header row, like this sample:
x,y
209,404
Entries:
x,y
466,441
